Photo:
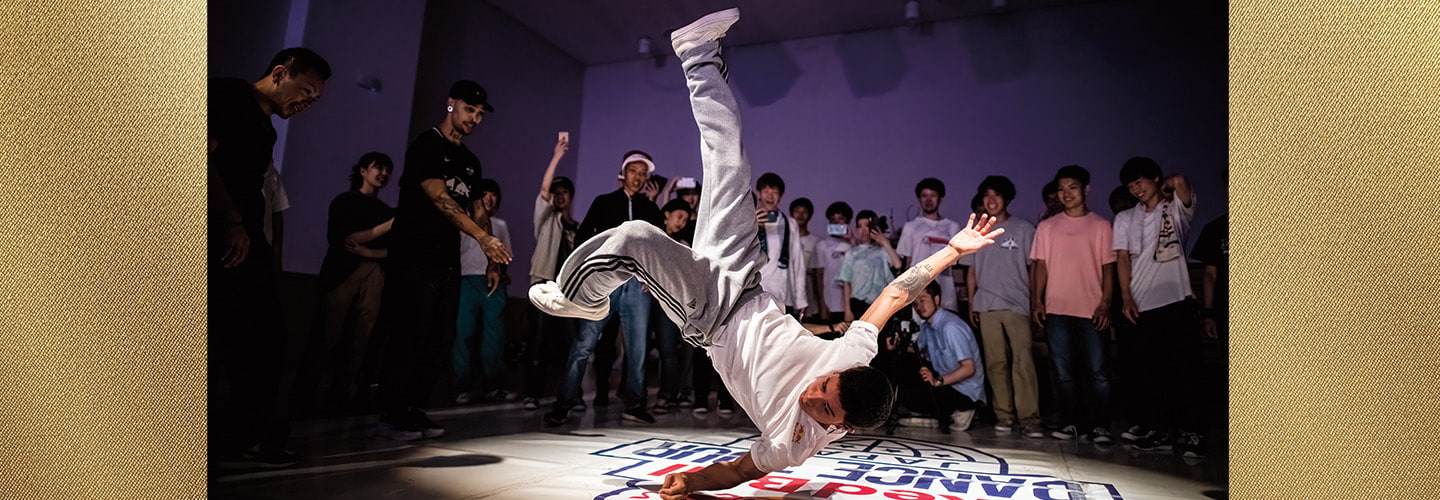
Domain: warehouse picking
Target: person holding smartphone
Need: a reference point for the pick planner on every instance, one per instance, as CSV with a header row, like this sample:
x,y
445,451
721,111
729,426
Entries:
x,y
783,275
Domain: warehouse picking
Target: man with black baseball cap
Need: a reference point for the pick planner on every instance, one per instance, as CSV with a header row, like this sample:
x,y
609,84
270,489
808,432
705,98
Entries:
x,y
439,200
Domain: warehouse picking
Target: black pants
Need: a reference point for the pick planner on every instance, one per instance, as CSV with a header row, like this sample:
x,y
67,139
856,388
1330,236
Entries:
x,y
1168,352
915,394
417,314
550,339
246,347
703,372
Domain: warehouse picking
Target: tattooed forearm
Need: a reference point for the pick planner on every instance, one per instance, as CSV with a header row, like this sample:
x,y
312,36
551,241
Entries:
x,y
914,280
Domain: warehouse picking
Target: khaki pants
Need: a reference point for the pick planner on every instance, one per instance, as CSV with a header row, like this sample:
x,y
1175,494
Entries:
x,y
1012,375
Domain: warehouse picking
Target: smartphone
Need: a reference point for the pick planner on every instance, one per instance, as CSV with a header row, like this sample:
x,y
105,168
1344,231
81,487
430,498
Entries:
x,y
770,217
685,183
565,136
836,229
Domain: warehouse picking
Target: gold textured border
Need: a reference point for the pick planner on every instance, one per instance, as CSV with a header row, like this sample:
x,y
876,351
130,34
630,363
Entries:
x,y
1334,147
1335,133
102,336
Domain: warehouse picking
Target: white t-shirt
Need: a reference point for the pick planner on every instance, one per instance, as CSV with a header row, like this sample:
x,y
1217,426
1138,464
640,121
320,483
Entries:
x,y
472,259
1155,284
921,238
787,285
829,254
276,200
807,243
767,359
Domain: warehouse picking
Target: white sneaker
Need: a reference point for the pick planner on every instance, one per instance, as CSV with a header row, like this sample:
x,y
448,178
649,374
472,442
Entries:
x,y
549,299
918,422
960,420
703,30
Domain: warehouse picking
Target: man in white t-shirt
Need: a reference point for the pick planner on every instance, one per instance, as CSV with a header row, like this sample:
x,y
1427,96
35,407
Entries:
x,y
928,233
829,255
801,210
783,274
801,391
1156,296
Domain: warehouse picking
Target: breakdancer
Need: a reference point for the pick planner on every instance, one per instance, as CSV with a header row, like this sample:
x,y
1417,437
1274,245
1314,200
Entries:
x,y
802,392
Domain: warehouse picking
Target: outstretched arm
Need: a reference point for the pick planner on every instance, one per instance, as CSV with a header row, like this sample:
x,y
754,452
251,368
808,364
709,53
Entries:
x,y
561,146
907,287
716,476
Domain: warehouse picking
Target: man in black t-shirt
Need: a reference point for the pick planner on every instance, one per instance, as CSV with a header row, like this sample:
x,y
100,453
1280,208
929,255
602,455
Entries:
x,y
247,340
438,195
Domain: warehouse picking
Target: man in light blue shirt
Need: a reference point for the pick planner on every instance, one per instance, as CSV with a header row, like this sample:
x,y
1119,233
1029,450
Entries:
x,y
950,382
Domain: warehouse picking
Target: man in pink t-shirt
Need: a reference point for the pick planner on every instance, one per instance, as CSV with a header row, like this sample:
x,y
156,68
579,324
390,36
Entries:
x,y
1070,295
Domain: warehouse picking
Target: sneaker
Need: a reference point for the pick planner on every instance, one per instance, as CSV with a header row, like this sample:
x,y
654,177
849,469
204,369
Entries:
x,y
1033,432
662,406
399,428
637,415
704,30
548,297
554,418
1133,433
1099,435
700,411
1192,445
960,419
268,458
726,408
428,427
917,422
683,401
1154,440
1067,433
579,406
462,398
530,403
1004,427
499,395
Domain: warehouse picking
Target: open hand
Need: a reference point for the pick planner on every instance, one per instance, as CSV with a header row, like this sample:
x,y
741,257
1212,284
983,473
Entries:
x,y
495,250
976,235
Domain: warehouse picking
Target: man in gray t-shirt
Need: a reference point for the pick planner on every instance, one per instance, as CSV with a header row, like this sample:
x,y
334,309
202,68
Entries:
x,y
999,284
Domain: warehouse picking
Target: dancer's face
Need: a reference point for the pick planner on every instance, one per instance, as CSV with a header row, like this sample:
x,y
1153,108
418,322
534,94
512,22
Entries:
x,y
821,400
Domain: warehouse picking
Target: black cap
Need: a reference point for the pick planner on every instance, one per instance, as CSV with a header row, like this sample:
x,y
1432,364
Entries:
x,y
472,93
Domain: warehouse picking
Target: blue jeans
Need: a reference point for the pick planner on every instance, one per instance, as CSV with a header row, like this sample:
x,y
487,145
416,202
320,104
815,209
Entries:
x,y
667,339
1075,344
632,305
482,311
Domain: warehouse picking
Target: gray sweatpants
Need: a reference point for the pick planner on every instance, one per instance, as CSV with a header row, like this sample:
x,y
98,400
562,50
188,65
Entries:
x,y
696,287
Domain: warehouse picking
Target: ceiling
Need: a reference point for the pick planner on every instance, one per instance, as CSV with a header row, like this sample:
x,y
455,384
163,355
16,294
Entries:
x,y
608,31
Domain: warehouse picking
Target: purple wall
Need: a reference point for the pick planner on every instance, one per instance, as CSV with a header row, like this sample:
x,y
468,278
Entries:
x,y
535,89
243,36
862,117
416,49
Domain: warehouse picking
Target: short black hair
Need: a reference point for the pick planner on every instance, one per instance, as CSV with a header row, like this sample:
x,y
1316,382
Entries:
x,y
770,179
933,288
561,182
489,186
1121,199
977,204
373,157
1138,167
1073,172
865,214
1001,185
866,396
299,60
1050,188
676,204
802,202
841,208
932,184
